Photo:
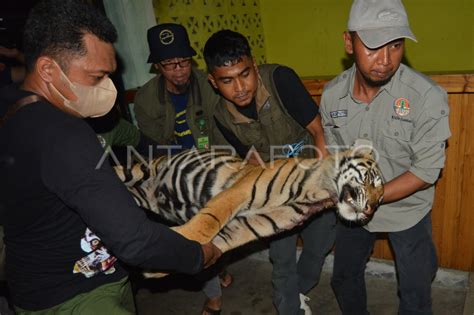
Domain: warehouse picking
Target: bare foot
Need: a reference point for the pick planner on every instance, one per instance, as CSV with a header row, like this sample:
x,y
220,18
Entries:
x,y
225,279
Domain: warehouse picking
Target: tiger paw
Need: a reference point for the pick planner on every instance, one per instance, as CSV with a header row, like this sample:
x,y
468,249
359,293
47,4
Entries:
x,y
156,275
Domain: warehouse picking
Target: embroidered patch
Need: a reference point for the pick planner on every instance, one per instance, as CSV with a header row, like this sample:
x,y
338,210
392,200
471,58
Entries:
x,y
294,149
166,37
401,106
402,119
338,113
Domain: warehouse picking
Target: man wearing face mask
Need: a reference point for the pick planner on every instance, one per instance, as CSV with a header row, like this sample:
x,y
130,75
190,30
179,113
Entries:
x,y
176,107
69,225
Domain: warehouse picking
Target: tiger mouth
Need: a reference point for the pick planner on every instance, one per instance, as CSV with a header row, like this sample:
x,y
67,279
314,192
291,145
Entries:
x,y
358,209
350,201
349,209
321,205
347,198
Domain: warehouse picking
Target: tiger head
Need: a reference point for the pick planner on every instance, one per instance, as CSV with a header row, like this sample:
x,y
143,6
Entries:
x,y
359,185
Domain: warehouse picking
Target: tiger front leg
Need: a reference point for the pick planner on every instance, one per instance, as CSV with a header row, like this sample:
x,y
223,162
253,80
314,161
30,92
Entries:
x,y
238,231
247,228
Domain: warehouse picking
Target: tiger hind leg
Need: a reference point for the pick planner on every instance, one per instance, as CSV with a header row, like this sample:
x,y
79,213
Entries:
x,y
201,228
205,225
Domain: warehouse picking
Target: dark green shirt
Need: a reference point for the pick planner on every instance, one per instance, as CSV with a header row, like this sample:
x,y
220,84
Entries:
x,y
155,112
123,134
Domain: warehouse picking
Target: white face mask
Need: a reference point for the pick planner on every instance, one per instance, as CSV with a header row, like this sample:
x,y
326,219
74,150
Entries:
x,y
92,101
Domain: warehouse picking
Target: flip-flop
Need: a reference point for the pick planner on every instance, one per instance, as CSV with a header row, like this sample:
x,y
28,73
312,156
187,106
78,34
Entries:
x,y
225,279
211,311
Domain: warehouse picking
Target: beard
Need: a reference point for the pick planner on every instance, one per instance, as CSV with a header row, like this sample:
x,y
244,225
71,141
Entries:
x,y
181,88
376,83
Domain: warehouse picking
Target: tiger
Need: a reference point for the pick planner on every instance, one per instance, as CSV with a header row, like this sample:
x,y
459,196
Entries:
x,y
214,196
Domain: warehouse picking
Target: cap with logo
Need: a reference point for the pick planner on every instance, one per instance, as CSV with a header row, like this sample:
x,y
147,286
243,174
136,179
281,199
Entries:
x,y
168,41
378,22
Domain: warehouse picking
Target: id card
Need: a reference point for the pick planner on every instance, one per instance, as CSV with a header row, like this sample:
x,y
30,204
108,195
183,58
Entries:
x,y
203,142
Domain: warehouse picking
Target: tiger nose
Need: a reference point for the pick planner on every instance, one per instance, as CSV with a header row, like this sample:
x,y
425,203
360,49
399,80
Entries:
x,y
368,210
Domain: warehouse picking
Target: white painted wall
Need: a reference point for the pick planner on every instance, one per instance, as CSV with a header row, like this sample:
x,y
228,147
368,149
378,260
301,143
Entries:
x,y
132,18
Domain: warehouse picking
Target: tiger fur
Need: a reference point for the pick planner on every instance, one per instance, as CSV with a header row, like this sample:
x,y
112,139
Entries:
x,y
214,196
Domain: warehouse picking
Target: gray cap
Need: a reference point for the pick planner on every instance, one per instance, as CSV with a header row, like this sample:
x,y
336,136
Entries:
x,y
378,22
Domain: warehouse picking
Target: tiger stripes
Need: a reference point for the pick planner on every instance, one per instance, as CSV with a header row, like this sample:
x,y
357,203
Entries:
x,y
214,196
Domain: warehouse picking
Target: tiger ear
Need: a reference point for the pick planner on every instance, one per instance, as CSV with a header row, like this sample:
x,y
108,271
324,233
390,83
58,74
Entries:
x,y
364,147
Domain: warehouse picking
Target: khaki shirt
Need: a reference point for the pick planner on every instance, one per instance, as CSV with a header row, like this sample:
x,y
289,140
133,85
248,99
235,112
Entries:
x,y
408,125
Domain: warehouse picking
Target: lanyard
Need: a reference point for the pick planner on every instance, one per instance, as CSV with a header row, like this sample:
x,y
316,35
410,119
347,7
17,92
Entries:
x,y
19,104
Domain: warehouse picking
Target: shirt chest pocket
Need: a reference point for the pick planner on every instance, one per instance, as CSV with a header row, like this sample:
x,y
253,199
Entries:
x,y
251,134
272,118
158,113
396,139
163,124
336,133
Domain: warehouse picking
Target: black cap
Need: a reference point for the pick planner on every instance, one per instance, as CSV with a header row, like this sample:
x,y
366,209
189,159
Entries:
x,y
168,41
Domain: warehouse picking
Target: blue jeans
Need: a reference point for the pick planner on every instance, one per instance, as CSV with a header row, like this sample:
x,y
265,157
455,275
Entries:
x,y
416,264
289,277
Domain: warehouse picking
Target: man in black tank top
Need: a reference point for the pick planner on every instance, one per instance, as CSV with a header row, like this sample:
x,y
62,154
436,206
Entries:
x,y
265,113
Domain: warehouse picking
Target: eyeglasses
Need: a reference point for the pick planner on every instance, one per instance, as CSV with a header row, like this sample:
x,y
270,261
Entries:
x,y
183,63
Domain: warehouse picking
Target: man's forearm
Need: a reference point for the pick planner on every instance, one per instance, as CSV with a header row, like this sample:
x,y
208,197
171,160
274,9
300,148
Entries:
x,y
403,186
316,129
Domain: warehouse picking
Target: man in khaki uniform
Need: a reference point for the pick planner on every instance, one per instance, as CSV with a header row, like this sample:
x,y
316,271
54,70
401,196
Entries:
x,y
404,116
